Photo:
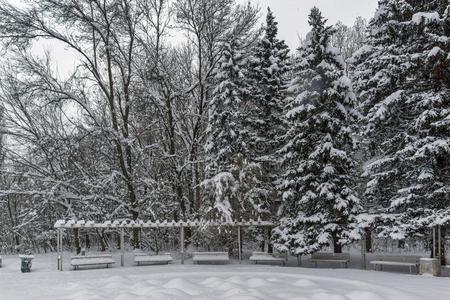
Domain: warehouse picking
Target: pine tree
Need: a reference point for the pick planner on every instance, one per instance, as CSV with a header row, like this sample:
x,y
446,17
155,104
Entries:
x,y
264,122
319,204
225,147
402,77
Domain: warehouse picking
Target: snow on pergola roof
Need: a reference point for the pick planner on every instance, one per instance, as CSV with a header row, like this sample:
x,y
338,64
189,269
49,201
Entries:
x,y
155,224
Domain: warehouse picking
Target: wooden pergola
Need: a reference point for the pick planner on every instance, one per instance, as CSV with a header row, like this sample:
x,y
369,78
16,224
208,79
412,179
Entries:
x,y
61,225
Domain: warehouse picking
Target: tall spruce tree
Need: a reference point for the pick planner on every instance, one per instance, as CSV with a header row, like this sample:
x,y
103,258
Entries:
x,y
265,122
269,75
225,147
402,77
319,203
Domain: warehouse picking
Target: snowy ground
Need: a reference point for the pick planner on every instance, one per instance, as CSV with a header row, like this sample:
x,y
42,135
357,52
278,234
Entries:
x,y
231,281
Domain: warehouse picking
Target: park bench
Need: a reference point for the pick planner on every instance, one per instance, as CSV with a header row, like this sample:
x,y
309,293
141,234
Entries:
x,y
342,258
396,260
142,258
267,257
211,257
91,260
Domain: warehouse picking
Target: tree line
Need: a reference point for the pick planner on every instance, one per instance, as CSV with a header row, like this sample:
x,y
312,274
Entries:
x,y
347,134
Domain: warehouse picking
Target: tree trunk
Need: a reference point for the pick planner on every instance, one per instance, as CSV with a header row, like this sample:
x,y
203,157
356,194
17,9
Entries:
x,y
103,243
369,240
135,215
269,237
11,212
118,240
337,248
136,240
157,235
76,240
443,253
262,246
88,242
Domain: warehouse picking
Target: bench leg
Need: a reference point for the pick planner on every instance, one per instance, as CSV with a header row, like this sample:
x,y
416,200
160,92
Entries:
x,y
315,264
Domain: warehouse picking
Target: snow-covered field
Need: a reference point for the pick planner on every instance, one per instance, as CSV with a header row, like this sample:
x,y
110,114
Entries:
x,y
231,281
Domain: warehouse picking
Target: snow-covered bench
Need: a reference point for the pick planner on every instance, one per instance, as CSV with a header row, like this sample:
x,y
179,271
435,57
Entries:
x,y
266,257
91,260
396,260
213,257
342,258
142,258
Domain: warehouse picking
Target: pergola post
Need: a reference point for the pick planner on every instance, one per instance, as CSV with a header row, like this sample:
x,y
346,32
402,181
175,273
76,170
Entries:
x,y
57,247
239,244
60,249
182,244
439,243
434,242
363,251
122,248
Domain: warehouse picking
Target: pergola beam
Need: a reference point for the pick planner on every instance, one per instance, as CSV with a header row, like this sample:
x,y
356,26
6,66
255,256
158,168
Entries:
x,y
157,224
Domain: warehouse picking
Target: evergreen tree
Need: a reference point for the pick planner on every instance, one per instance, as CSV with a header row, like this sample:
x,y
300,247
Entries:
x,y
319,203
225,147
269,73
264,122
402,76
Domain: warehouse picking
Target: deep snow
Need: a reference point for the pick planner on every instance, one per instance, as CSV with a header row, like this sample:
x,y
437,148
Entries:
x,y
231,281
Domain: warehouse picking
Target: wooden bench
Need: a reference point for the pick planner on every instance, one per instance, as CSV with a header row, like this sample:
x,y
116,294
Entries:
x,y
91,260
142,258
342,258
396,260
267,257
212,257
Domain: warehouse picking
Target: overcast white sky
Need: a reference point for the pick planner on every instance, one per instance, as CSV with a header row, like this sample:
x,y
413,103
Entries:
x,y
292,15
